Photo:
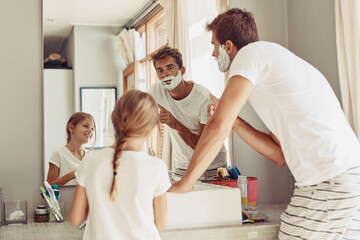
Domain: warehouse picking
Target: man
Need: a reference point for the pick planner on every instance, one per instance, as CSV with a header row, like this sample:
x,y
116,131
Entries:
x,y
183,107
298,106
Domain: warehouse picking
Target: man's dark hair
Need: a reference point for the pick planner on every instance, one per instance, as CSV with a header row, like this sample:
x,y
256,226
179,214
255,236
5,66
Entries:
x,y
235,25
167,51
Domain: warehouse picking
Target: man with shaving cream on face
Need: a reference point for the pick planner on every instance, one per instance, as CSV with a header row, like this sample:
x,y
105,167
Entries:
x,y
298,106
183,108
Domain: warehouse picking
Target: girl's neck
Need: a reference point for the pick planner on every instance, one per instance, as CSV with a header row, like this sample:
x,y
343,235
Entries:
x,y
76,149
133,144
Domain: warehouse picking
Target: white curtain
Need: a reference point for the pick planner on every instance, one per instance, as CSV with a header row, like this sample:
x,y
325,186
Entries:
x,y
177,29
222,5
347,15
204,67
130,45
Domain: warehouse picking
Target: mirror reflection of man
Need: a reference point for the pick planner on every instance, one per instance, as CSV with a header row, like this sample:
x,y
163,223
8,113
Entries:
x,y
183,107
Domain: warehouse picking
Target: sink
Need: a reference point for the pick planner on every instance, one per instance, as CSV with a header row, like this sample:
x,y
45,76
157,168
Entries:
x,y
207,205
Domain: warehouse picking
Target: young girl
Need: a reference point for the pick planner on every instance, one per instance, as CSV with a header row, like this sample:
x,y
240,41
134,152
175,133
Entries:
x,y
65,160
122,190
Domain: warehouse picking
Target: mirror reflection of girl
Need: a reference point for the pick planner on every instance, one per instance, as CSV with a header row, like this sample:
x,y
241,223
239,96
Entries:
x,y
65,160
122,190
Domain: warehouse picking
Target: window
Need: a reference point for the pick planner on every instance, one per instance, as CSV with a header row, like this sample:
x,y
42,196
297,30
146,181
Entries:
x,y
154,28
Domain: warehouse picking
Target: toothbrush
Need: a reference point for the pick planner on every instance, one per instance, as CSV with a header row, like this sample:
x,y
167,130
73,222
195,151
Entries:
x,y
48,200
51,193
54,208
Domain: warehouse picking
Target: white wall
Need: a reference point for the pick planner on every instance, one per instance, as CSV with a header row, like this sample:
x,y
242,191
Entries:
x,y
21,130
96,63
270,18
67,50
312,36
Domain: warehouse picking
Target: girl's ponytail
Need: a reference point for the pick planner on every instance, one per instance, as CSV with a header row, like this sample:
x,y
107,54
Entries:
x,y
120,144
134,115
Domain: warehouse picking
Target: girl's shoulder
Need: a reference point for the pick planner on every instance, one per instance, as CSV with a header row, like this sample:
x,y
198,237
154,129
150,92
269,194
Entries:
x,y
141,158
99,153
60,151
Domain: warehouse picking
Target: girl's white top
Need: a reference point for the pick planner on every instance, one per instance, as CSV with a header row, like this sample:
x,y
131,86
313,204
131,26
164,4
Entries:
x,y
65,161
140,178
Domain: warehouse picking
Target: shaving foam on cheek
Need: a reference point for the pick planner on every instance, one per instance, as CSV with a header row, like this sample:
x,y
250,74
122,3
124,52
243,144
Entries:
x,y
171,82
223,59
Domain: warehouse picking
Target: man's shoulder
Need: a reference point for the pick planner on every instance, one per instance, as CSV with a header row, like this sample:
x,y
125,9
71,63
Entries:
x,y
200,87
156,90
200,90
155,87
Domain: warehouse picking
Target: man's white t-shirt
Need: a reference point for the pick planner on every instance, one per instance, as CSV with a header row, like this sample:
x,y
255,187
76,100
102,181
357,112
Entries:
x,y
140,178
297,104
190,112
65,161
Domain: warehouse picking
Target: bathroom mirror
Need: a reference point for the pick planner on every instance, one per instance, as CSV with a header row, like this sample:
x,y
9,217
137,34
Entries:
x,y
88,43
85,35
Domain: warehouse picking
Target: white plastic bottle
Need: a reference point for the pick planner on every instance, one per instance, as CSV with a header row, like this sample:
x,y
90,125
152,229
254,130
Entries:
x,y
242,184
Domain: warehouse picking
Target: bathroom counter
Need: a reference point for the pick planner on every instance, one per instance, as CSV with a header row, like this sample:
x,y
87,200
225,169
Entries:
x,y
64,231
266,230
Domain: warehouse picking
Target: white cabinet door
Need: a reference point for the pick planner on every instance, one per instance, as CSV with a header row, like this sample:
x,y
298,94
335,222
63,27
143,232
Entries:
x,y
58,92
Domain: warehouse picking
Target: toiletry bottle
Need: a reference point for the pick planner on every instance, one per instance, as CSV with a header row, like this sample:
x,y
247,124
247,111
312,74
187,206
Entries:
x,y
41,214
56,191
243,185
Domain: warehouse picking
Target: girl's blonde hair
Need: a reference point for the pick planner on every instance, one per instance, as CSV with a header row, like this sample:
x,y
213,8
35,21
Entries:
x,y
77,118
134,115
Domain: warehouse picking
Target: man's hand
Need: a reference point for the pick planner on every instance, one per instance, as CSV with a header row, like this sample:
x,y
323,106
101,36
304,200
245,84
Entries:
x,y
178,187
212,107
167,118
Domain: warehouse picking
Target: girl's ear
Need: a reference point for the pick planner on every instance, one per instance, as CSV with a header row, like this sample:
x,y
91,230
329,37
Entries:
x,y
70,127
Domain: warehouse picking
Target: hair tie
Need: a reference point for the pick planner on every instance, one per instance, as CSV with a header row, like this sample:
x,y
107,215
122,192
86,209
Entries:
x,y
115,173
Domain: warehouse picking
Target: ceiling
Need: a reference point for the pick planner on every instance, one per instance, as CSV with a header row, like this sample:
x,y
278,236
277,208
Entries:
x,y
59,17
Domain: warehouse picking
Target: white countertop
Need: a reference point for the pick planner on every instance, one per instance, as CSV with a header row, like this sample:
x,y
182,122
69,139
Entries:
x,y
64,231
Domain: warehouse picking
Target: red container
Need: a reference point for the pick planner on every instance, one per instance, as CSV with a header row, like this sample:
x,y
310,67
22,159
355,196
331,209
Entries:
x,y
228,183
252,191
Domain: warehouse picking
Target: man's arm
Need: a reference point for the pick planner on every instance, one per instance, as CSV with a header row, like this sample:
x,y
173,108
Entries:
x,y
216,130
189,138
261,142
265,144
